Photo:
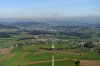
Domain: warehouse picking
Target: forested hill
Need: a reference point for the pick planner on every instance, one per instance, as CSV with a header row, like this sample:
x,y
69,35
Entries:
x,y
26,24
7,27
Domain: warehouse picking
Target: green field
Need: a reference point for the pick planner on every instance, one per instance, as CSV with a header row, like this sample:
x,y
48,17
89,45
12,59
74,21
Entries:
x,y
28,55
31,55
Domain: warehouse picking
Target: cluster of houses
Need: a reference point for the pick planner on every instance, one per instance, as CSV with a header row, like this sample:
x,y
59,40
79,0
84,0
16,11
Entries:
x,y
52,39
67,41
42,39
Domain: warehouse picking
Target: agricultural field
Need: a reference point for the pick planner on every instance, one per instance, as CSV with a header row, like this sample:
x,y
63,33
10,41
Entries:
x,y
33,55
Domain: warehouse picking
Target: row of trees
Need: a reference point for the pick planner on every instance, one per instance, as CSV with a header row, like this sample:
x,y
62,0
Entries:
x,y
45,48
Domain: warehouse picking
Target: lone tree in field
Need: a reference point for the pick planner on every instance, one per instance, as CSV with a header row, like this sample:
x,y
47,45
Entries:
x,y
77,63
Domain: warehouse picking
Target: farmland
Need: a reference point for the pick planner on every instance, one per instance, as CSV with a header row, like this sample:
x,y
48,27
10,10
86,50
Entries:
x,y
27,47
31,54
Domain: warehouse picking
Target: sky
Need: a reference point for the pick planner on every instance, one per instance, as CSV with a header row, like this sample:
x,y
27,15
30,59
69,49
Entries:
x,y
29,9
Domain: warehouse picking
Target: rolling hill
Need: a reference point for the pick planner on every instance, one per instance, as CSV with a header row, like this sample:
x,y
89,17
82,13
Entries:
x,y
7,27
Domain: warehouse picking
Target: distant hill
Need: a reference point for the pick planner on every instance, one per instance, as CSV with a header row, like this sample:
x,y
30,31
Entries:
x,y
7,27
25,24
31,25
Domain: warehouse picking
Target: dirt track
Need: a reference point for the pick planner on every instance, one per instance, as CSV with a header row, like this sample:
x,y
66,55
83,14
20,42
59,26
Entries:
x,y
83,62
42,62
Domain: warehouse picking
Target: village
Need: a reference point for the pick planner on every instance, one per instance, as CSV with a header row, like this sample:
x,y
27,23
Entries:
x,y
49,40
